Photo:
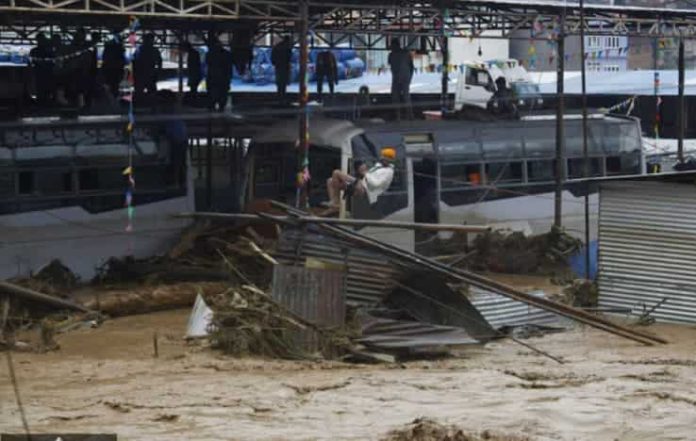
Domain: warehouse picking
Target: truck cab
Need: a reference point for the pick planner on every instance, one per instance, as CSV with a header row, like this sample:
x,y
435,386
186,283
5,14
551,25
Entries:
x,y
526,93
475,87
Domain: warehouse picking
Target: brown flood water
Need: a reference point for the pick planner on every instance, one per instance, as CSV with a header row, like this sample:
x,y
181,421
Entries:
x,y
106,380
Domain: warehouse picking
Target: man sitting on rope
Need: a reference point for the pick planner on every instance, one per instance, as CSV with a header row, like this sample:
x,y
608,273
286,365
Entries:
x,y
372,182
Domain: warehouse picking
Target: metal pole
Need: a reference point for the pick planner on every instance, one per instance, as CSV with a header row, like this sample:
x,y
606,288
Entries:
x,y
303,151
209,168
682,116
585,153
180,68
445,75
560,132
444,46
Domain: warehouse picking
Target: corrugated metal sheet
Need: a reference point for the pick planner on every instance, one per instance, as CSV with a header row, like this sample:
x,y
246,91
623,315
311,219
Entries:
x,y
315,295
647,248
368,274
500,311
386,333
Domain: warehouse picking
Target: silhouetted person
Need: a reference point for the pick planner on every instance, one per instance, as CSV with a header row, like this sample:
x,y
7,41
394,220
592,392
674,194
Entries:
x,y
194,72
504,99
93,68
219,66
281,56
78,67
242,47
60,70
113,62
42,64
146,65
402,73
326,69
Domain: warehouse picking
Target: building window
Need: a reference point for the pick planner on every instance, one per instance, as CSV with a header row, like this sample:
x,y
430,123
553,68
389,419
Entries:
x,y
612,42
594,66
593,42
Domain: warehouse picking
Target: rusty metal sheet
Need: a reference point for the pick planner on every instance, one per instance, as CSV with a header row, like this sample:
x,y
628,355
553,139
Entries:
x,y
368,275
316,295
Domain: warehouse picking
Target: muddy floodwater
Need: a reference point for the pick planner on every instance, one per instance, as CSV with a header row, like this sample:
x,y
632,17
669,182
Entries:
x,y
107,380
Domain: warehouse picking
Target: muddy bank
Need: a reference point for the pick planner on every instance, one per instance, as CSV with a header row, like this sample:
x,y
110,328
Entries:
x,y
106,379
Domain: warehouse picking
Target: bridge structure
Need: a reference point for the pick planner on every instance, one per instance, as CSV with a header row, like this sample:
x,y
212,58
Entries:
x,y
361,24
358,24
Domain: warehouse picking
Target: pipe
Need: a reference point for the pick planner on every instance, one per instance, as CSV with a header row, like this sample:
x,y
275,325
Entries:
x,y
338,221
303,150
585,153
681,113
35,296
560,132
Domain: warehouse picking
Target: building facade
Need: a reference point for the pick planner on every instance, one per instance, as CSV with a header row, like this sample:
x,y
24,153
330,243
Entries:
x,y
603,53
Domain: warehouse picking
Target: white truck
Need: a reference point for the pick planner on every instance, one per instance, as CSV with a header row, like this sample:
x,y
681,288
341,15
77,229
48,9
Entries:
x,y
476,85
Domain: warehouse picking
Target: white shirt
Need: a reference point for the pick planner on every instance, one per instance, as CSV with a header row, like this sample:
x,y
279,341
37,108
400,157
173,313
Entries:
x,y
377,180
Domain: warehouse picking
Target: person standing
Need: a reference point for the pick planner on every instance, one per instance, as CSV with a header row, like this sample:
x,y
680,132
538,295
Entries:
x,y
146,66
113,63
242,47
93,68
326,69
40,58
281,56
219,66
78,65
401,64
59,51
194,72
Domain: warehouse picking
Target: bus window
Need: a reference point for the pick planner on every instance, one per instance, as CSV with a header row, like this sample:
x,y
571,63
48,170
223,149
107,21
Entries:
x,y
26,182
54,182
613,165
7,183
576,167
541,171
504,172
266,180
460,175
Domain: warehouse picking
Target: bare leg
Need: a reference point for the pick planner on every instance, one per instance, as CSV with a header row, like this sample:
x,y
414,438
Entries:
x,y
334,199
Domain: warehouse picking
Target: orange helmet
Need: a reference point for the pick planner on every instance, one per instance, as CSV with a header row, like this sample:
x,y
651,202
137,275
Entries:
x,y
389,153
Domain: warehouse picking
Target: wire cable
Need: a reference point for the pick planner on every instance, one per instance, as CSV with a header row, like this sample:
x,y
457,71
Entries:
x,y
18,397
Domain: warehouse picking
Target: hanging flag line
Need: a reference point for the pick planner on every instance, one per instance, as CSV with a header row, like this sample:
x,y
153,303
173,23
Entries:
x,y
134,24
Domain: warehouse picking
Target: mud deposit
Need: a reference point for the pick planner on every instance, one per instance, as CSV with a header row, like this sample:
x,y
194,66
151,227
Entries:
x,y
107,379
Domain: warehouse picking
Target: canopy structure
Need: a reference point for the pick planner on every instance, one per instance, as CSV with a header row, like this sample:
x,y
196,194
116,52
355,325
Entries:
x,y
363,23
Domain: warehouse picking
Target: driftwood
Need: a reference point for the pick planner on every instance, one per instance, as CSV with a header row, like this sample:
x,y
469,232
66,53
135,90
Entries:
x,y
38,297
147,299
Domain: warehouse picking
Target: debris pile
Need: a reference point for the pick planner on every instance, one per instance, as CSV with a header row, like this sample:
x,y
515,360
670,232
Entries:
x,y
424,429
197,257
516,253
248,321
55,279
582,293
